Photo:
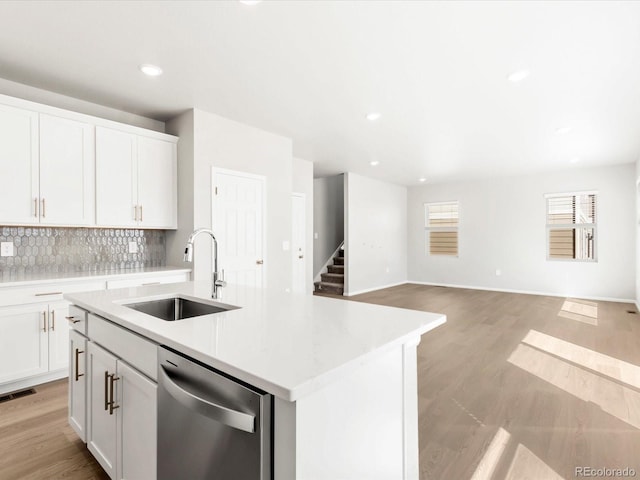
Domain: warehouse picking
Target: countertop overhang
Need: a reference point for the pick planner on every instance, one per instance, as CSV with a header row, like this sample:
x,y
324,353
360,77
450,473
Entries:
x,y
287,344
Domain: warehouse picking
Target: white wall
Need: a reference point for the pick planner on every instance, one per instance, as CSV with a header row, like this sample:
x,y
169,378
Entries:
x,y
224,143
502,226
637,223
375,234
33,94
183,127
302,182
328,218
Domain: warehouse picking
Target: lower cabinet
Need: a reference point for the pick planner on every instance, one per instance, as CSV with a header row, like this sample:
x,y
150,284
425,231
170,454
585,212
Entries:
x,y
78,383
37,337
121,416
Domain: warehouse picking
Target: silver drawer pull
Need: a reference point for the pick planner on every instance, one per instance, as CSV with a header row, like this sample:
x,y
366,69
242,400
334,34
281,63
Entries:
x,y
48,293
72,319
150,283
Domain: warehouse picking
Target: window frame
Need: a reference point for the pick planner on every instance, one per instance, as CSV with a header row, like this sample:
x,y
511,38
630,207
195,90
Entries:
x,y
428,229
571,226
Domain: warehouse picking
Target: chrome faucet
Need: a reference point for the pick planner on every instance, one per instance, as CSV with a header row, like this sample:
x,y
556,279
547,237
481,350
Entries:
x,y
218,279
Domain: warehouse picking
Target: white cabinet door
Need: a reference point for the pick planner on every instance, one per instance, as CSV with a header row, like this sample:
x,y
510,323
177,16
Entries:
x,y
67,185
78,384
101,422
116,178
157,183
18,166
23,342
58,336
136,424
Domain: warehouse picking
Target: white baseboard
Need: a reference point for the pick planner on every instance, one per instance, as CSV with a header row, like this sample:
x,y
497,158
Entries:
x,y
367,290
32,381
526,292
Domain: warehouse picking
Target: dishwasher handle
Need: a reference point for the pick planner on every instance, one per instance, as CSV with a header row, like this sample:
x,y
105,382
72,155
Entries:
x,y
232,418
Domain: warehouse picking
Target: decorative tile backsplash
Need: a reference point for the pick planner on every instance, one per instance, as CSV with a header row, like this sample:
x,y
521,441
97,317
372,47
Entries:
x,y
63,250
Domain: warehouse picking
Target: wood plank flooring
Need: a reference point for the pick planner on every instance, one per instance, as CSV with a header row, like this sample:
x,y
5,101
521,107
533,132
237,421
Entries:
x,y
512,387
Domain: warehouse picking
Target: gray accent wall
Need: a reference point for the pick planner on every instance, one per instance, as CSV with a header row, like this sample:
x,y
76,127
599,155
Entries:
x,y
328,218
67,250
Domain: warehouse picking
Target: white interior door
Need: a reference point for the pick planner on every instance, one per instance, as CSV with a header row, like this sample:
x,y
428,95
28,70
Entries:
x,y
238,223
298,242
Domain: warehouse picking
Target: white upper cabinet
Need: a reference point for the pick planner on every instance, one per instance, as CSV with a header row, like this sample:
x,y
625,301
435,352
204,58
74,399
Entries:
x,y
63,168
136,180
18,166
66,172
116,179
157,183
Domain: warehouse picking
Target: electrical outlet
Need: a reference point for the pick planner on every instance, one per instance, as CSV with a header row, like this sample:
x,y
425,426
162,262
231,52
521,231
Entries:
x,y
133,247
388,269
6,249
286,246
498,272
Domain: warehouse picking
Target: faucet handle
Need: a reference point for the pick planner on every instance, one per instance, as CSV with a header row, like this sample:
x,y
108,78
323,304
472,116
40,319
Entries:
x,y
221,282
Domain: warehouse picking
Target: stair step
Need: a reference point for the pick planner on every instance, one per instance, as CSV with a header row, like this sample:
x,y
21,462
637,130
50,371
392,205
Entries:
x,y
338,260
333,278
336,269
341,253
333,288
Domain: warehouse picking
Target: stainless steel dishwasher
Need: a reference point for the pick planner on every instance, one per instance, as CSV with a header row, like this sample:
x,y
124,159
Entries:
x,y
210,426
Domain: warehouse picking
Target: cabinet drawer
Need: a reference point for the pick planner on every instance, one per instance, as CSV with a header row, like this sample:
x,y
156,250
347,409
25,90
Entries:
x,y
78,319
142,282
50,292
134,349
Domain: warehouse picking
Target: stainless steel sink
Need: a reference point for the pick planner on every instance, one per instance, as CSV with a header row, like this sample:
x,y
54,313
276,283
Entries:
x,y
177,308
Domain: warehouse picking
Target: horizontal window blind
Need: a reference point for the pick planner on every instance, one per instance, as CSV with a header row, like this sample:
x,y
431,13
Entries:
x,y
441,222
571,226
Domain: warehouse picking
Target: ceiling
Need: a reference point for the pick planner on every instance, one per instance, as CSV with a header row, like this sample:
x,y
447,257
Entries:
x,y
312,70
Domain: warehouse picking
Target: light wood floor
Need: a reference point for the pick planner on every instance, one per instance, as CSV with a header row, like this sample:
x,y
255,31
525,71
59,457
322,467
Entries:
x,y
511,387
523,386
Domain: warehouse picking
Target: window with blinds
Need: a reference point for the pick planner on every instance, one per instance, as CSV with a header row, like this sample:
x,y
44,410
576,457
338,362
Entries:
x,y
441,225
571,226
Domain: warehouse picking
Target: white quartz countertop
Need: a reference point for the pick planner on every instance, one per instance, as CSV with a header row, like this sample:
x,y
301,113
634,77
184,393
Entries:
x,y
287,344
26,279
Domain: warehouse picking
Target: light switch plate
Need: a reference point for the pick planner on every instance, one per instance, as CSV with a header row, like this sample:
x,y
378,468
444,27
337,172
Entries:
x,y
6,249
133,247
286,246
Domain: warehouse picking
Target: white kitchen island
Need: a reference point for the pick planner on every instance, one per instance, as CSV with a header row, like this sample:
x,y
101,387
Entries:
x,y
343,374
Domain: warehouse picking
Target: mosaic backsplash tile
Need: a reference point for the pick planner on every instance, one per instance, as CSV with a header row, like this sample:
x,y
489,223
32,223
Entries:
x,y
67,250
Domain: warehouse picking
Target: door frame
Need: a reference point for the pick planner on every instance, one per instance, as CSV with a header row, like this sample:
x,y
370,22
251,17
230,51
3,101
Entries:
x,y
225,171
304,235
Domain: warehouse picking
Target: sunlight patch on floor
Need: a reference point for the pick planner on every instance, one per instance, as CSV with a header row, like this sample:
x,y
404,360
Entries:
x,y
491,458
613,398
527,466
619,370
580,310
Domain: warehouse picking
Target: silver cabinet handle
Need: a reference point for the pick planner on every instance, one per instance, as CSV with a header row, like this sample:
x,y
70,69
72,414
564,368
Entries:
x,y
259,262
72,319
232,418
35,209
48,293
135,213
43,208
44,321
141,213
53,320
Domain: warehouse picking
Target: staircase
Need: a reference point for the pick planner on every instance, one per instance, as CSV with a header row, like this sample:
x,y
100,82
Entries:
x,y
332,282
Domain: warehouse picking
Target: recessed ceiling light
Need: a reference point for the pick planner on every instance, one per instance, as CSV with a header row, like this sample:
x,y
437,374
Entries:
x,y
249,2
518,75
374,163
373,116
151,70
574,160
563,130
422,179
